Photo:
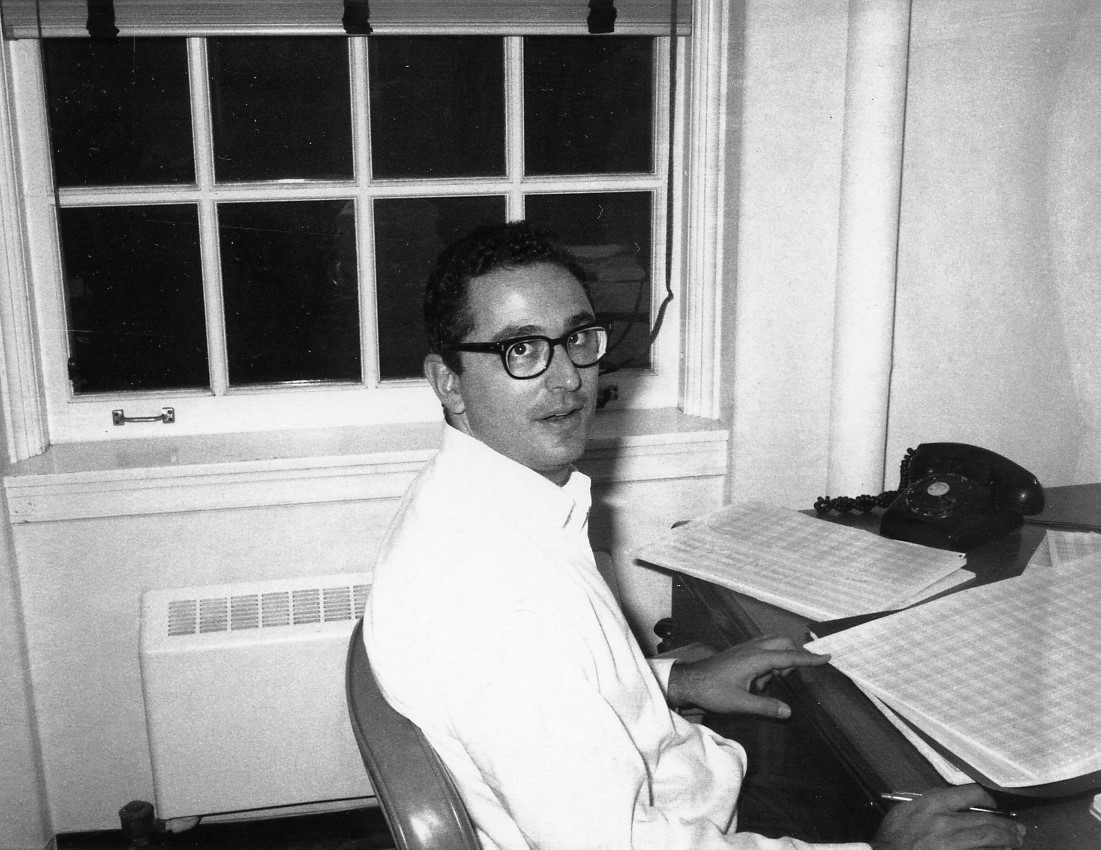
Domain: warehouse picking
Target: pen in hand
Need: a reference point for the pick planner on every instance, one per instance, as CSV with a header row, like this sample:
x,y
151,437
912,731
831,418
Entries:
x,y
910,796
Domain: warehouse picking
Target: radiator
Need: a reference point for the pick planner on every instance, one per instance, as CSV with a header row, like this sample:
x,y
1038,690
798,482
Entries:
x,y
244,696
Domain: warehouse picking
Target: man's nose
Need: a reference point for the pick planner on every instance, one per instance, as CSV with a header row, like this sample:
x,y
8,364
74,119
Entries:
x,y
561,373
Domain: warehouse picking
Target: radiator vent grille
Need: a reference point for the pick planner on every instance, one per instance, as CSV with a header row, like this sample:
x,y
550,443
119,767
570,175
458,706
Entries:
x,y
265,610
181,617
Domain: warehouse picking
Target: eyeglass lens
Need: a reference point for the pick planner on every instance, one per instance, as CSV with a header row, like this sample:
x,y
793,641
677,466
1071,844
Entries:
x,y
529,357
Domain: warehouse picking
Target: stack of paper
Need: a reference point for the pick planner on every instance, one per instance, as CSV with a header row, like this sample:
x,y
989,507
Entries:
x,y
1062,547
820,570
1006,676
948,771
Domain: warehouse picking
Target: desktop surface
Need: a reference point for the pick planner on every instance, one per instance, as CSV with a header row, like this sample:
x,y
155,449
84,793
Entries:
x,y
838,734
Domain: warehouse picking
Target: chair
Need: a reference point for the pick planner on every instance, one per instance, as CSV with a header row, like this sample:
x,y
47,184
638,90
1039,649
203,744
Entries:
x,y
418,796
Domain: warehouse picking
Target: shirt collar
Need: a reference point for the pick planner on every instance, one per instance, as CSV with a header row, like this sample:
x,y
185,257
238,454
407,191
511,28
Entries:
x,y
502,479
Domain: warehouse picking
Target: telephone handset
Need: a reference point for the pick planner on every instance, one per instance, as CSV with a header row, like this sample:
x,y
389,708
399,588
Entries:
x,y
957,496
951,496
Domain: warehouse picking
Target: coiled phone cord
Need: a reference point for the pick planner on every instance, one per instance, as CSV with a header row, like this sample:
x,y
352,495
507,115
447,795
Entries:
x,y
866,502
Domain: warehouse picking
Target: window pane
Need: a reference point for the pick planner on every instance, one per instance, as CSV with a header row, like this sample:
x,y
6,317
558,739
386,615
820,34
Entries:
x,y
609,232
289,281
409,234
280,108
588,105
437,107
133,286
119,111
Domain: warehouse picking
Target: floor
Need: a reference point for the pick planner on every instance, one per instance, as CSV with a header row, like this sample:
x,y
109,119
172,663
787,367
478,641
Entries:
x,y
357,829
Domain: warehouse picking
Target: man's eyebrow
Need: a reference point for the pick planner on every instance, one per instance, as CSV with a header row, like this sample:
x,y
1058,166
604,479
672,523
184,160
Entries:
x,y
513,331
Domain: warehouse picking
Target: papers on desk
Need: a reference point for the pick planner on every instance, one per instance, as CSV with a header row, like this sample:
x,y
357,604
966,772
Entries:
x,y
820,570
1006,676
948,771
1062,547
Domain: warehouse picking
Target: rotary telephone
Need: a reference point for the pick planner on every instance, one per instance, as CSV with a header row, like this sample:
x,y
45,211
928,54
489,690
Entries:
x,y
951,496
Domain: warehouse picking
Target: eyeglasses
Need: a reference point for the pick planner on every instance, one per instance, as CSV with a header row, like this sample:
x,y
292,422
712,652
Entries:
x,y
530,356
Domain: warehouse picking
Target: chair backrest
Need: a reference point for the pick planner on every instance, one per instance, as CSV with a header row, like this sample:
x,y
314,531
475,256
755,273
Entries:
x,y
419,799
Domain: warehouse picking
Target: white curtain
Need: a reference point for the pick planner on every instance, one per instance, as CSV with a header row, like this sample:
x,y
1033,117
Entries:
x,y
1074,212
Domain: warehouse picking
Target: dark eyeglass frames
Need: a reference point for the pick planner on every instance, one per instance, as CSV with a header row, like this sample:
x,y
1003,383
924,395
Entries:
x,y
530,356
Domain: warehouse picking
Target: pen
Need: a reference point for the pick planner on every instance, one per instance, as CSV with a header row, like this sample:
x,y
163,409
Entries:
x,y
910,796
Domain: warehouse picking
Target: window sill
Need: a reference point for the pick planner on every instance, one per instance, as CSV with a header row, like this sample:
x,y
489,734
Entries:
x,y
147,476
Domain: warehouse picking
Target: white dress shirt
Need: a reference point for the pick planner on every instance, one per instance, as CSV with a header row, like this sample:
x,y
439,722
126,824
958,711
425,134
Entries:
x,y
489,626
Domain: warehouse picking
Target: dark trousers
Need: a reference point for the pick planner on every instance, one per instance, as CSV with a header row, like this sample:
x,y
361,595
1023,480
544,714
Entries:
x,y
794,785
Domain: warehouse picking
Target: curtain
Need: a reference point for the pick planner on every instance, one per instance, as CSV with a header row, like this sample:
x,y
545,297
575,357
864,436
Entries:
x,y
1074,208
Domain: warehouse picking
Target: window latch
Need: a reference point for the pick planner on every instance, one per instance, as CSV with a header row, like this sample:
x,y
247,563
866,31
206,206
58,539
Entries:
x,y
168,415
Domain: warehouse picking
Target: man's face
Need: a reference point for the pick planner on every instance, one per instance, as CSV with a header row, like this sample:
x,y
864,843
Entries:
x,y
542,422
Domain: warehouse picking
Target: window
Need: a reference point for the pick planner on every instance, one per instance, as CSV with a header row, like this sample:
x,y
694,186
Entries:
x,y
247,217
240,227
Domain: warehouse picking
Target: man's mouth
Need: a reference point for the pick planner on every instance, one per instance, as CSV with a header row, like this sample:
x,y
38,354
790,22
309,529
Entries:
x,y
559,415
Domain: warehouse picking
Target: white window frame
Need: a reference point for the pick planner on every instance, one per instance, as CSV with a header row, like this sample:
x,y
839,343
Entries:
x,y
31,315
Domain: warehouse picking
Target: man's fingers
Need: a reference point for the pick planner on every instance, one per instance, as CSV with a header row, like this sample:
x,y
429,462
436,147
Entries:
x,y
740,700
993,832
781,660
766,707
960,797
773,642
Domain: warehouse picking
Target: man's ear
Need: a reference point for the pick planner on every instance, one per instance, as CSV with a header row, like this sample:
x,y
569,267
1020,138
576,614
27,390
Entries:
x,y
445,383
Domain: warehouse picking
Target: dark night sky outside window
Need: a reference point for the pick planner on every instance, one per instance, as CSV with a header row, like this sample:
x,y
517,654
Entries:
x,y
280,108
437,107
292,302
134,292
119,111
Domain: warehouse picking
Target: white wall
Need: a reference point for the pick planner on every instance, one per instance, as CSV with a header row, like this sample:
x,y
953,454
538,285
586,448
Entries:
x,y
998,284
23,819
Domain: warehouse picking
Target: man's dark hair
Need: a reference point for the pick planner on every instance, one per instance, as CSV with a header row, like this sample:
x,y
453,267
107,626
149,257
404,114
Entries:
x,y
516,244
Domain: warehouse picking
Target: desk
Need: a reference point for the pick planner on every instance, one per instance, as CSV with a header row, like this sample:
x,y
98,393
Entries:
x,y
837,732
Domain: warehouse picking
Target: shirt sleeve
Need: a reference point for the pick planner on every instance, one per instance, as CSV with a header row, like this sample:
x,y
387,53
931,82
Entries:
x,y
578,779
661,668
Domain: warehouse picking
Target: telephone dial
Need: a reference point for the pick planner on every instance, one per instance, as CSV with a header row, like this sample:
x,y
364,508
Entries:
x,y
952,496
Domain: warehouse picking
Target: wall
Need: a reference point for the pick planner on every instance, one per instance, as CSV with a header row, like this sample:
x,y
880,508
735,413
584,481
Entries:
x,y
23,817
998,292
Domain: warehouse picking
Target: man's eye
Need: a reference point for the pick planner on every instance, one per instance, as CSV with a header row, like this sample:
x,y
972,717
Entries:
x,y
525,351
585,340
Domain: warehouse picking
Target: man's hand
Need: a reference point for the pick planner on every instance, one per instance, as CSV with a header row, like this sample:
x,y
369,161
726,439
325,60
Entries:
x,y
724,683
940,820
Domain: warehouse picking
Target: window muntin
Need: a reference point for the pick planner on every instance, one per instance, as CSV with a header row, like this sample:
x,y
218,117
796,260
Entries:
x,y
390,348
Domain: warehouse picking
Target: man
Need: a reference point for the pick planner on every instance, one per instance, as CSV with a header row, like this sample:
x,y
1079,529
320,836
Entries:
x,y
489,626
